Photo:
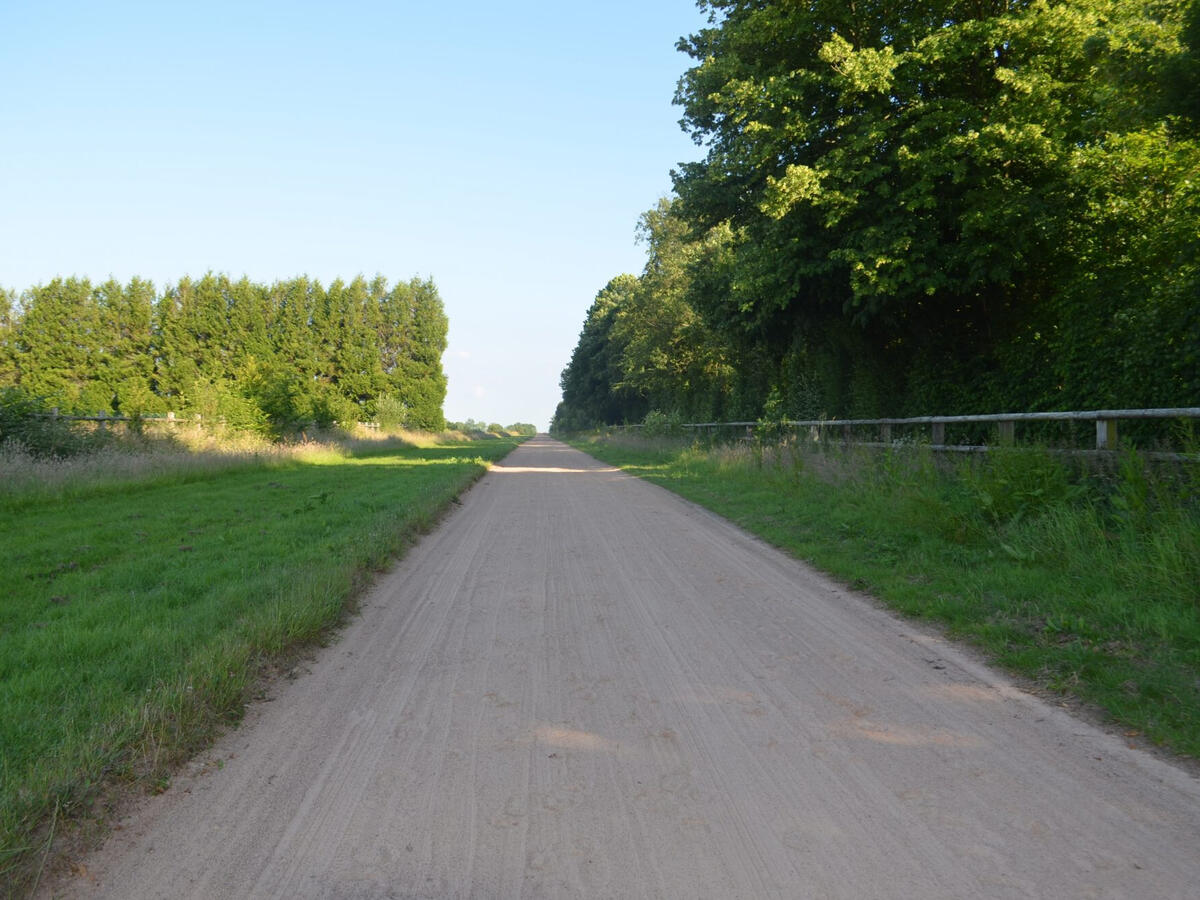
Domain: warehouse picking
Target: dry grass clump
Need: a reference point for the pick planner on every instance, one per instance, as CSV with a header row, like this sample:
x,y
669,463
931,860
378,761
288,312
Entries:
x,y
636,440
24,473
826,463
184,455
376,438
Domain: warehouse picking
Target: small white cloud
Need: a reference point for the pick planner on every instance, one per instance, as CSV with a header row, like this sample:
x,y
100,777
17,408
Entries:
x,y
462,354
478,391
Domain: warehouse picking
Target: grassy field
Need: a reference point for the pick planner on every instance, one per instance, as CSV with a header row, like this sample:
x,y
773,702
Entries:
x,y
137,612
1088,584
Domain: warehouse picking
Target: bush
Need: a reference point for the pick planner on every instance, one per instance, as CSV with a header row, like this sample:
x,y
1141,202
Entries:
x,y
17,411
661,424
770,427
331,409
390,411
1013,484
25,420
220,402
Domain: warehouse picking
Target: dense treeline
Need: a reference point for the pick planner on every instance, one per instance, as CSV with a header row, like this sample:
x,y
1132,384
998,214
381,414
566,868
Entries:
x,y
905,209
260,356
470,426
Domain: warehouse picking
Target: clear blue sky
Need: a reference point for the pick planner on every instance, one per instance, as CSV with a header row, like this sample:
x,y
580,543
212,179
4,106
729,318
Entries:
x,y
506,150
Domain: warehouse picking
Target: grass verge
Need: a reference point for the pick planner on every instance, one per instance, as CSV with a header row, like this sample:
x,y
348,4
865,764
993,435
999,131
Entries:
x,y
135,617
1086,583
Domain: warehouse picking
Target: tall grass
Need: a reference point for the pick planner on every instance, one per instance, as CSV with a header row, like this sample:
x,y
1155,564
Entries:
x,y
27,477
1084,579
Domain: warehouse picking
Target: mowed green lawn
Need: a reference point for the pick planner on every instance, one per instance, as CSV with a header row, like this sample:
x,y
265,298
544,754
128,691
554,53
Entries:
x,y
132,621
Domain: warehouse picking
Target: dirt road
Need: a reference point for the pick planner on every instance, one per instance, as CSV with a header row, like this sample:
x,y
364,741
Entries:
x,y
581,686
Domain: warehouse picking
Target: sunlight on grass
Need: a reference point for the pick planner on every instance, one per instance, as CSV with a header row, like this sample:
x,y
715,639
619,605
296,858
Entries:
x,y
189,454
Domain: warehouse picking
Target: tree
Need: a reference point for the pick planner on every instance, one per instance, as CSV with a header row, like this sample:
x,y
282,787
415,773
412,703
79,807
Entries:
x,y
251,318
591,383
414,332
124,362
282,356
57,344
904,189
8,338
1181,75
195,339
350,336
668,354
285,387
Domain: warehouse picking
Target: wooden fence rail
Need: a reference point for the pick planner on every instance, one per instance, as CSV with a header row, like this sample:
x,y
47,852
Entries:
x,y
1105,420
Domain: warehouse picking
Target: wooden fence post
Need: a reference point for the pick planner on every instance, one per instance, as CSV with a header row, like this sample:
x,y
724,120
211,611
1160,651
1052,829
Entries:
x,y
1008,431
885,433
1106,434
939,434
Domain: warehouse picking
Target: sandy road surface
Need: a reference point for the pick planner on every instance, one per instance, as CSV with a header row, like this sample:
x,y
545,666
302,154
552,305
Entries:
x,y
580,686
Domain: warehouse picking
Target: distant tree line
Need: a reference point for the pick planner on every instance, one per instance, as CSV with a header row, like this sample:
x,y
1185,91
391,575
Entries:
x,y
906,209
263,357
470,425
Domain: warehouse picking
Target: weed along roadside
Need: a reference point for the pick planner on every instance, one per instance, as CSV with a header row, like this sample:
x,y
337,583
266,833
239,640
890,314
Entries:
x,y
1083,583
134,622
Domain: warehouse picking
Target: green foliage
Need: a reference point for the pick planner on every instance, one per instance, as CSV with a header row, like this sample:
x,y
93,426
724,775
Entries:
x,y
389,411
644,345
770,427
1181,76
940,207
18,410
669,355
413,332
26,421
523,429
255,357
221,402
661,424
948,179
64,335
591,383
1012,484
8,350
331,409
470,426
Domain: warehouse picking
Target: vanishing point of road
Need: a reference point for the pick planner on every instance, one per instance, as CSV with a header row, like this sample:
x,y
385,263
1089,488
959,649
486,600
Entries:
x,y
583,686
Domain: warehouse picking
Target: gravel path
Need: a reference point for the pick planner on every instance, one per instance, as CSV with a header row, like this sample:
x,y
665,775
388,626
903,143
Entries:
x,y
582,686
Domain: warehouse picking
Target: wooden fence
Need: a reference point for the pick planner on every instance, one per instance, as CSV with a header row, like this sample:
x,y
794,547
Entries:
x,y
1006,426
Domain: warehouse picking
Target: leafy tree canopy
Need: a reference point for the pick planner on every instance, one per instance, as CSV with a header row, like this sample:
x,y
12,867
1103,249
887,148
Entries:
x,y
259,357
930,207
